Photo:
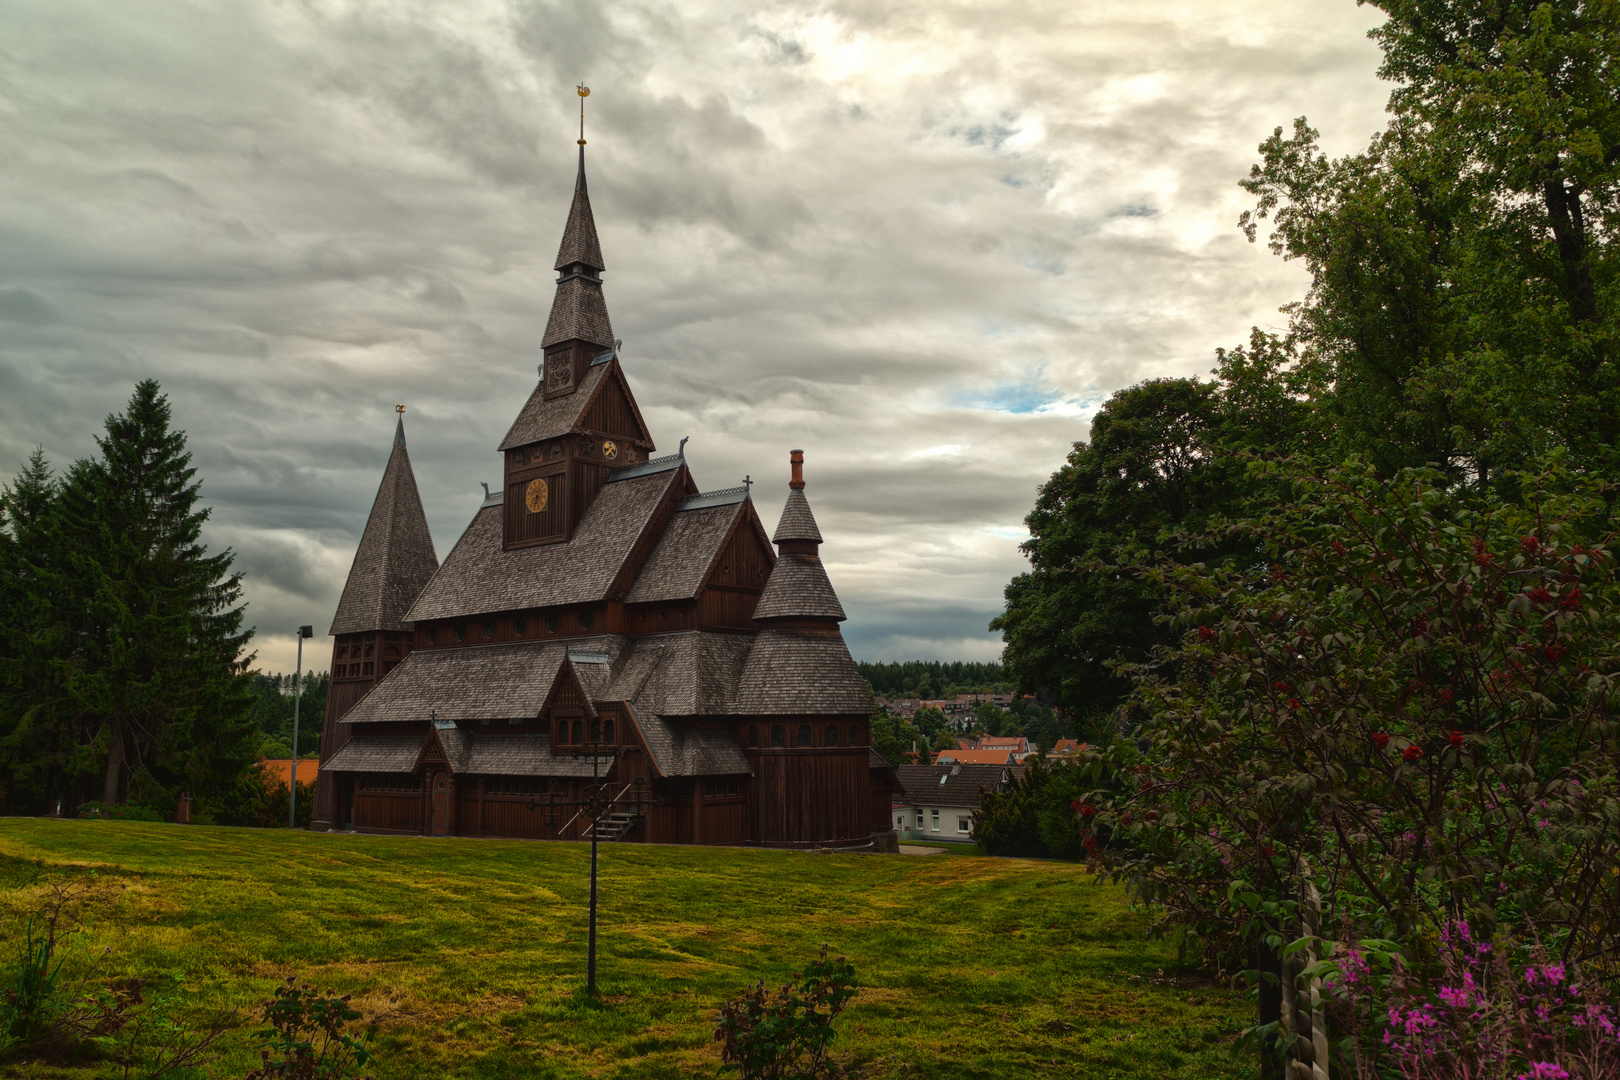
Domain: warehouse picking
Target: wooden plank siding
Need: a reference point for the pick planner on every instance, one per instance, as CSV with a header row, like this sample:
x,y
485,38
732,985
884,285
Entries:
x,y
815,796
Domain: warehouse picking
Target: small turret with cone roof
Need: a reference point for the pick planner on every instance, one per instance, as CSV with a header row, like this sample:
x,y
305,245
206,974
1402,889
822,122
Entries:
x,y
370,634
798,590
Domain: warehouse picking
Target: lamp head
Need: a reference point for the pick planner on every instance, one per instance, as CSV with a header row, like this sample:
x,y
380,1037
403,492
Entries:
x,y
306,631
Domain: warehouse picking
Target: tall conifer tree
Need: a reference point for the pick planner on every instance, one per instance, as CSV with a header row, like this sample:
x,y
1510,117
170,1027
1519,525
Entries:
x,y
31,703
158,676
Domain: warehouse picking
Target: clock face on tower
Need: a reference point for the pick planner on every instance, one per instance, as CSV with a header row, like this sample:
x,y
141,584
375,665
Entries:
x,y
536,496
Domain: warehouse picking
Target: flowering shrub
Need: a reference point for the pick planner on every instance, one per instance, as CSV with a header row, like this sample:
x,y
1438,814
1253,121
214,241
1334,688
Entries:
x,y
1488,1014
1415,713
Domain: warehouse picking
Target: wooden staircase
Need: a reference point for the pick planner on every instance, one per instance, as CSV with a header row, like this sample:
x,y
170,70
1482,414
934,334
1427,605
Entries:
x,y
613,827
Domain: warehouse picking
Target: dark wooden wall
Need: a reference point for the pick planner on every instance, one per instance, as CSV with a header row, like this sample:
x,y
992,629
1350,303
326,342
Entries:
x,y
815,796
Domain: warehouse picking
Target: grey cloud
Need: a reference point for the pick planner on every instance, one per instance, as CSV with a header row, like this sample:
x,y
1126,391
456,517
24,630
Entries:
x,y
841,227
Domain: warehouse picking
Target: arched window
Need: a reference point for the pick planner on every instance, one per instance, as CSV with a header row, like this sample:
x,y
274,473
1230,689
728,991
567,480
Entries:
x,y
579,732
520,626
806,736
489,629
562,732
607,730
553,620
587,618
832,734
461,631
855,736
778,735
753,734
596,731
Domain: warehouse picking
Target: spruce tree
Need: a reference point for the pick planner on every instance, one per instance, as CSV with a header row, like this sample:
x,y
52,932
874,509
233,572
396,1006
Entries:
x,y
31,639
157,674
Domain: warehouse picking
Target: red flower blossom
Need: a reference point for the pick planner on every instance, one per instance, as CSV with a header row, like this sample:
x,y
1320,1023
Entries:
x,y
1555,653
1088,811
1539,595
1456,738
1339,549
1445,693
1205,634
1420,625
1412,753
1281,687
1268,851
1091,843
1530,545
1571,599
1293,703
1074,804
1277,573
1481,556
1382,739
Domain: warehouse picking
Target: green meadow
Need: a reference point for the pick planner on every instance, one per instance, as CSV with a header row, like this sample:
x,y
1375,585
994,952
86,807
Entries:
x,y
468,954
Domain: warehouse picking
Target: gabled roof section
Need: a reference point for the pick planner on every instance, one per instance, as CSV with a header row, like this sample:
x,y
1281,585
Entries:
x,y
797,522
511,681
686,551
540,419
936,785
798,588
793,672
395,558
376,754
478,577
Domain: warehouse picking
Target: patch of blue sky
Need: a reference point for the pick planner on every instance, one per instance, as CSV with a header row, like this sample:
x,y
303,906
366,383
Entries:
x,y
1018,398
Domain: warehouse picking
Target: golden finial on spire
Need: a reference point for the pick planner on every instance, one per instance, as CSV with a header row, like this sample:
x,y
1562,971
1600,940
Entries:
x,y
584,92
399,408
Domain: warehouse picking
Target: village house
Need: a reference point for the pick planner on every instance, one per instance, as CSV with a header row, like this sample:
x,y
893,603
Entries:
x,y
940,800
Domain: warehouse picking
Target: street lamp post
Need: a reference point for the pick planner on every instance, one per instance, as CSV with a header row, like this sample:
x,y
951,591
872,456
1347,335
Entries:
x,y
298,695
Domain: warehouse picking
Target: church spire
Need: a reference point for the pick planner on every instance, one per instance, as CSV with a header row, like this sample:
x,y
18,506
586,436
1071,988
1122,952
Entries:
x,y
395,557
579,313
798,590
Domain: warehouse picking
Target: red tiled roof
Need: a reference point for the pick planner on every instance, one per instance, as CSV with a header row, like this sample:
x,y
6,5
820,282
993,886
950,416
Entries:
x,y
277,770
975,757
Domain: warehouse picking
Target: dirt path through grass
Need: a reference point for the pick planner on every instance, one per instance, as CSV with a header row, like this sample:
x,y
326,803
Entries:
x,y
467,952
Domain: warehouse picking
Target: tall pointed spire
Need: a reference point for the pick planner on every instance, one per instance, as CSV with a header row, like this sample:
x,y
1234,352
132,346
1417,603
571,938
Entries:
x,y
797,588
395,557
579,313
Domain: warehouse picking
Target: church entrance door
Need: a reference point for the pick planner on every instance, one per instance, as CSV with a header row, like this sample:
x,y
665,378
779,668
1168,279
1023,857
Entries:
x,y
441,805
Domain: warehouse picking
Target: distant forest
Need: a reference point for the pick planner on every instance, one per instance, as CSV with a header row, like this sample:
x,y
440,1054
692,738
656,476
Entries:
x,y
933,678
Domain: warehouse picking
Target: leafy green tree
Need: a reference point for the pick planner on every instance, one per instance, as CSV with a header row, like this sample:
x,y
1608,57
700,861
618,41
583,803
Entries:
x,y
1463,307
156,672
943,740
1162,459
891,738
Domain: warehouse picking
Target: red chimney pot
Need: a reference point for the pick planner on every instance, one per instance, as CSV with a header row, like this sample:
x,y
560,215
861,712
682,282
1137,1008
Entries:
x,y
797,458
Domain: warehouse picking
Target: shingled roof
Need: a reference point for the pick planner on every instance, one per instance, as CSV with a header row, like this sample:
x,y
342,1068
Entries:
x,y
485,682
541,419
579,311
691,542
798,588
376,754
579,243
395,558
796,522
808,672
479,577
948,785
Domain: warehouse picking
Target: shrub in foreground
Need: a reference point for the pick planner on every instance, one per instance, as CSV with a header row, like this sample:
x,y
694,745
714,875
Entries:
x,y
786,1035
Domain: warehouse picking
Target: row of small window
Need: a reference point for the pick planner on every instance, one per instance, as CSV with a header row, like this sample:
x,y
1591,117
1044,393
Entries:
x,y
520,626
963,824
520,785
351,671
387,782
806,735
601,731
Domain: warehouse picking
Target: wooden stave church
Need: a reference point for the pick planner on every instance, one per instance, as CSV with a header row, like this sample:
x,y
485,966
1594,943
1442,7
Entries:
x,y
599,593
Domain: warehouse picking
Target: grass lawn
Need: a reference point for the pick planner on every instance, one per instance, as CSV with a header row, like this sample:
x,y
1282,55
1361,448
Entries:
x,y
467,953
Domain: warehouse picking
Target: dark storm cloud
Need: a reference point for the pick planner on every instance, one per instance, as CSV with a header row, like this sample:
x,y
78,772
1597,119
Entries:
x,y
923,242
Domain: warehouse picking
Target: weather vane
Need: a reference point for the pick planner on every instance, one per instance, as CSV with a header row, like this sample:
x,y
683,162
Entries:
x,y
584,92
399,408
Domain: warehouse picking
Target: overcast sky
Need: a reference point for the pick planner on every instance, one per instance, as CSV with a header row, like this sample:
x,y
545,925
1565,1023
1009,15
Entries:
x,y
923,241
